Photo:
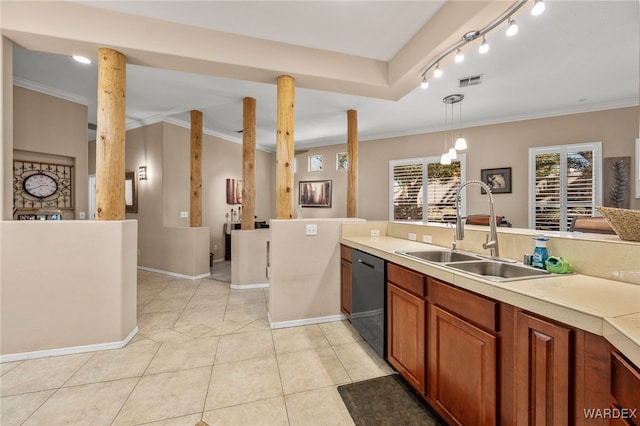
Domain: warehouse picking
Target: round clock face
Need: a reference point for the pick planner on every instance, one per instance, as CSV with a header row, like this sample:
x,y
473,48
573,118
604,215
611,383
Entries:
x,y
40,185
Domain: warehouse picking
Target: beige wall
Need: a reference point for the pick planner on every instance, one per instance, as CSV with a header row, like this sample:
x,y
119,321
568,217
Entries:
x,y
46,125
249,258
305,272
494,146
62,291
6,126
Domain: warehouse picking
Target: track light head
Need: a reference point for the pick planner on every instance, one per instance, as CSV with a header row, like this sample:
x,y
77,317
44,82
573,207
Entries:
x,y
537,8
437,73
459,56
425,83
484,46
512,29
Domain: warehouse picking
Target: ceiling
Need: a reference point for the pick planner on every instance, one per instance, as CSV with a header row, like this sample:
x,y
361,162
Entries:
x,y
575,57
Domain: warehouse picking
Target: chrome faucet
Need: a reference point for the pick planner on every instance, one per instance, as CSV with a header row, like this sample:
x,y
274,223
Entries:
x,y
491,241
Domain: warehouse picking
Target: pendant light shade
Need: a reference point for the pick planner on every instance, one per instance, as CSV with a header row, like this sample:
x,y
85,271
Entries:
x,y
452,154
445,159
461,144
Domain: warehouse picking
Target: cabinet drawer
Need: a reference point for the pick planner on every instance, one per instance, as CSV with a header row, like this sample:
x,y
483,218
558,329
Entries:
x,y
406,279
470,306
345,253
625,383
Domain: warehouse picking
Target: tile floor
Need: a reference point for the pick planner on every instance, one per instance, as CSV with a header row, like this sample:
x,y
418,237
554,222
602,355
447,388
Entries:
x,y
204,352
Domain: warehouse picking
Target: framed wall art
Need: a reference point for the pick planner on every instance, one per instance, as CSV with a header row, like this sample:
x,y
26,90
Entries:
x,y
499,180
314,193
234,191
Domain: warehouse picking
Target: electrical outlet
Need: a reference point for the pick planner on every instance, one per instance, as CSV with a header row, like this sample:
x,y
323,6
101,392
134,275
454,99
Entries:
x,y
215,247
375,233
81,215
412,236
427,239
312,229
184,214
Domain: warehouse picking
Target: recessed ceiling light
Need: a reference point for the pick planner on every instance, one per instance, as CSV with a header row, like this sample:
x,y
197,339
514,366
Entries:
x,y
81,59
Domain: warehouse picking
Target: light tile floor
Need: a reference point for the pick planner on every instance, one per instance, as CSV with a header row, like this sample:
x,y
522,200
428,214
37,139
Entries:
x,y
204,352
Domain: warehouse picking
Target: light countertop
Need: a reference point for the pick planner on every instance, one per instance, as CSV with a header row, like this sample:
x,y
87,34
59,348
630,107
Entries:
x,y
603,307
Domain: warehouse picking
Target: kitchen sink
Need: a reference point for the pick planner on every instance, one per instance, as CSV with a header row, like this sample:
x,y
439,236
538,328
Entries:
x,y
499,271
439,256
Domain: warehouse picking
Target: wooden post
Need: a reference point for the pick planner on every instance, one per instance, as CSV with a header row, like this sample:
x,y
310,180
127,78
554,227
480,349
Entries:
x,y
248,163
195,199
110,131
352,171
285,147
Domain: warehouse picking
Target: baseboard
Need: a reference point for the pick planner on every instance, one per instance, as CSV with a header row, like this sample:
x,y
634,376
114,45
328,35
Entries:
x,y
249,286
175,274
70,350
305,321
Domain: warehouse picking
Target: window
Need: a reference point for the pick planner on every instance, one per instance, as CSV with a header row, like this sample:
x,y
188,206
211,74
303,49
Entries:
x,y
408,200
564,182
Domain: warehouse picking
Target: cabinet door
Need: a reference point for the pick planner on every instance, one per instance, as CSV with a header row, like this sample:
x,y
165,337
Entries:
x,y
345,288
462,369
406,335
542,372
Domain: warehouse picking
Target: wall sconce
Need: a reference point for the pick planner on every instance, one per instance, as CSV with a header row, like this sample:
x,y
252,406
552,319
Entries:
x,y
142,173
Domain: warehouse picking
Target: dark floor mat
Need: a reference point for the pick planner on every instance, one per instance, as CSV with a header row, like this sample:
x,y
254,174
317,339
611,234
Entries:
x,y
386,401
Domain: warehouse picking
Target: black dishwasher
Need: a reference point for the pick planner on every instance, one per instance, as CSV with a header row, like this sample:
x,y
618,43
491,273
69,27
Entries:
x,y
368,296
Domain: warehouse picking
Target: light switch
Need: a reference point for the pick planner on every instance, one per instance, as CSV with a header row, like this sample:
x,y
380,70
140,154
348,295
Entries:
x,y
312,229
184,214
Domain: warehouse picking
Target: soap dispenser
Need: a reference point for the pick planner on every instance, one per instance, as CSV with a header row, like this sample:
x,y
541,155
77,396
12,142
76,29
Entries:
x,y
540,254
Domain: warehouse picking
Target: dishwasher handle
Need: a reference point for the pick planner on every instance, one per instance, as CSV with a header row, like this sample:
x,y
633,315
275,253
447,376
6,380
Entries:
x,y
366,264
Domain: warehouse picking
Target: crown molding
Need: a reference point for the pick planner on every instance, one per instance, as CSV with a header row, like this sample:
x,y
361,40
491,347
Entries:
x,y
57,93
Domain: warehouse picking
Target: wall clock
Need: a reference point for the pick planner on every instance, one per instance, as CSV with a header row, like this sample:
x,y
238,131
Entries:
x,y
40,185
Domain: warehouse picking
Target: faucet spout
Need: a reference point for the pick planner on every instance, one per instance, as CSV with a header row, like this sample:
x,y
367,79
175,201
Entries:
x,y
491,242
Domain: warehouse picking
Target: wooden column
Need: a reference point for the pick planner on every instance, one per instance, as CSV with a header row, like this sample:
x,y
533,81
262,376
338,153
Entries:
x,y
285,147
110,131
195,198
352,171
248,163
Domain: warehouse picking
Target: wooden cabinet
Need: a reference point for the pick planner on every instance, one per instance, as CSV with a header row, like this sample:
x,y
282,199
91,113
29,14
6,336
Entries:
x,y
625,391
543,376
462,355
406,324
345,281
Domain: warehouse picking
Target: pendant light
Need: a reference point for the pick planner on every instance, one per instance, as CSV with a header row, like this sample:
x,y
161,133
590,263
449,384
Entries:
x,y
451,153
461,143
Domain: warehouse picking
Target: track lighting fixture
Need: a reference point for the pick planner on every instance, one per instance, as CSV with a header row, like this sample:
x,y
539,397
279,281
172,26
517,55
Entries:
x,y
425,83
484,46
459,56
470,36
537,8
437,73
512,28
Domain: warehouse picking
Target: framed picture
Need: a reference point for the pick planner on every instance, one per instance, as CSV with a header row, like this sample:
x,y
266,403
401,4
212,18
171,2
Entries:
x,y
499,180
342,161
315,163
314,193
234,191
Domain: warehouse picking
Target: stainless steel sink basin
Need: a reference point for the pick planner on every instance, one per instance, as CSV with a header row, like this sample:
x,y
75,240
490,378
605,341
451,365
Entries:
x,y
439,256
499,271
